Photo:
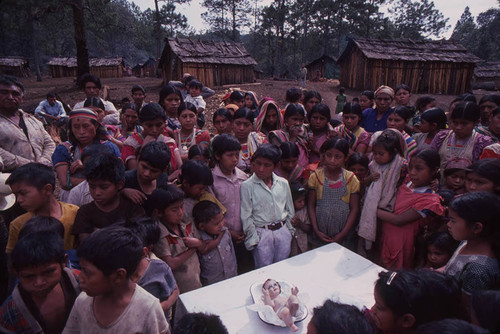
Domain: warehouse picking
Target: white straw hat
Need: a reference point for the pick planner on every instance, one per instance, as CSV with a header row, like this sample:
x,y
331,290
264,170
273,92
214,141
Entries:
x,y
7,198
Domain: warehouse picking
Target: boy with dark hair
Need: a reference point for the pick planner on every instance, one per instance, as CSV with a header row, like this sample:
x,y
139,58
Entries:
x,y
237,97
217,258
91,86
139,95
34,184
149,174
178,241
194,88
105,175
195,178
110,301
46,290
267,209
195,323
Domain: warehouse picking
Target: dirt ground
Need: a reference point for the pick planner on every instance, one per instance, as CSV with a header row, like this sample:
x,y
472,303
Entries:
x,y
120,87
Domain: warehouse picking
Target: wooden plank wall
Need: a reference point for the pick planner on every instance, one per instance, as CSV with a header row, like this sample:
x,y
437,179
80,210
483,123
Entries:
x,y
101,72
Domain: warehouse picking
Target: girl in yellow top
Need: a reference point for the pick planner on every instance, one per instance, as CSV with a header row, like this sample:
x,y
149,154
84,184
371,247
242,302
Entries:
x,y
333,200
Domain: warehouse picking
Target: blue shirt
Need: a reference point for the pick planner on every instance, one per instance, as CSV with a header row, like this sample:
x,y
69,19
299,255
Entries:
x,y
370,122
57,110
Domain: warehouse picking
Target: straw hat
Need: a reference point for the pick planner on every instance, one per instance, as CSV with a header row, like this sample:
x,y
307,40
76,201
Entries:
x,y
7,198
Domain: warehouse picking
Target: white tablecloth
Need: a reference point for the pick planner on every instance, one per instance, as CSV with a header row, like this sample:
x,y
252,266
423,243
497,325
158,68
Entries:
x,y
328,272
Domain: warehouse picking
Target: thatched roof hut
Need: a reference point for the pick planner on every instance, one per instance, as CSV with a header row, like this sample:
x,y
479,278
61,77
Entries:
x,y
426,66
323,67
16,66
148,68
108,67
213,63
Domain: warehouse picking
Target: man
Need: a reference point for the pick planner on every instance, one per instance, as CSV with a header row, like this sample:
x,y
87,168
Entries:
x,y
138,95
23,138
303,75
92,86
50,110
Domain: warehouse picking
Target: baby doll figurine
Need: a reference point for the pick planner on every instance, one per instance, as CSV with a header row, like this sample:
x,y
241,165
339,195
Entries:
x,y
285,307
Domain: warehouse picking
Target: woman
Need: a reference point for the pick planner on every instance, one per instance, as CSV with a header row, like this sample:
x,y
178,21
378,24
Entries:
x,y
249,140
375,119
170,100
270,118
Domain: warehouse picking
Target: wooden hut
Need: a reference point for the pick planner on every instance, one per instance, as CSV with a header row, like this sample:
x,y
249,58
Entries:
x,y
149,68
16,66
487,75
213,63
428,67
108,67
323,67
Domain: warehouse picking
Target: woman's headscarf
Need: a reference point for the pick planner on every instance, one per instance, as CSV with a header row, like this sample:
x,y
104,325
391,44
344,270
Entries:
x,y
263,113
385,89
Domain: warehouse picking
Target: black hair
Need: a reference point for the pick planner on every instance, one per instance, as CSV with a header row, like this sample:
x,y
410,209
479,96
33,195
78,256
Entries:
x,y
357,158
156,154
390,141
112,248
487,168
198,149
294,109
125,100
93,102
311,94
431,157
334,122
427,295
422,101
435,115
355,99
94,149
195,84
335,143
224,113
341,90
289,149
136,88
205,211
321,109
105,167
333,317
9,80
152,111
89,78
495,98
442,241
353,108
297,189
36,249
146,228
485,305
186,106
495,111
196,172
402,112
450,326
50,95
237,96
166,91
188,79
42,224
101,131
244,113
466,110
369,94
269,152
293,95
403,87
225,143
196,323
163,197
33,174
128,106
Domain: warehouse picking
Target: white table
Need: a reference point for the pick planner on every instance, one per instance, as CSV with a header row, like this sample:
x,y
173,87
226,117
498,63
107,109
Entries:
x,y
328,272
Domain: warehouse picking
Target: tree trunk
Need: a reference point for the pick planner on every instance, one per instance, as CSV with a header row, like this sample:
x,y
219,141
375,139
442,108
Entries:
x,y
34,41
82,53
158,30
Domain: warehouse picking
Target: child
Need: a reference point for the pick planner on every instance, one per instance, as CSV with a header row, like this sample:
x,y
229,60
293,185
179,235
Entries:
x,y
152,119
106,176
178,242
454,175
333,317
269,118
110,301
402,97
473,221
406,299
251,102
483,175
139,95
417,207
199,152
422,104
285,307
293,95
226,188
195,323
341,100
366,99
249,140
358,164
312,98
170,99
195,178
288,166
431,122
223,121
194,90
387,171
267,209
398,119
153,275
45,291
238,98
217,259
333,199
318,126
34,184
440,248
188,135
350,130
300,221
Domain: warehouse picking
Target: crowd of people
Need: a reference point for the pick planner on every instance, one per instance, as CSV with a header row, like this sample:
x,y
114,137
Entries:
x,y
150,205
